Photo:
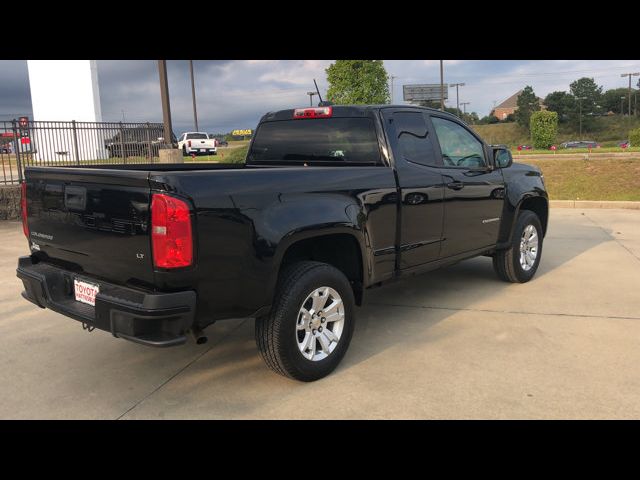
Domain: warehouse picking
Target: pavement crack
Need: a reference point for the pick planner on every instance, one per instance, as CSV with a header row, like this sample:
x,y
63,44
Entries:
x,y
194,360
513,312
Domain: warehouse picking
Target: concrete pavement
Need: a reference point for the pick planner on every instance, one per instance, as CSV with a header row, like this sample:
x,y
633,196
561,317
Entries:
x,y
455,343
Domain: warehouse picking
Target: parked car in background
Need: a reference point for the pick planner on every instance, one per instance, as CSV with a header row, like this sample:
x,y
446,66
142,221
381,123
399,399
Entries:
x,y
625,144
222,143
194,143
525,147
581,144
6,148
139,141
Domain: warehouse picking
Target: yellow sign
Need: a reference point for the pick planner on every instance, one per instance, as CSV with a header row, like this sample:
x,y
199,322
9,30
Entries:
x,y
238,133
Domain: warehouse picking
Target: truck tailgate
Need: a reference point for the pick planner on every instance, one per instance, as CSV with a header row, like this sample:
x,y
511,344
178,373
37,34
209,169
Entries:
x,y
93,221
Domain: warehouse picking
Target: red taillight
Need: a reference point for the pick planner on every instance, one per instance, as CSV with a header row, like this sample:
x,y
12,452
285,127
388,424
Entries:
x,y
189,143
23,208
320,112
171,236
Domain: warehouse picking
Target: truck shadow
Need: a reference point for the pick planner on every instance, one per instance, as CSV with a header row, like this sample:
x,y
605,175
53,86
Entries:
x,y
437,295
400,316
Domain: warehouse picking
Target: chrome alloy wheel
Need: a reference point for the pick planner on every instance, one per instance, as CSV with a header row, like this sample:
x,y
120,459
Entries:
x,y
528,247
320,323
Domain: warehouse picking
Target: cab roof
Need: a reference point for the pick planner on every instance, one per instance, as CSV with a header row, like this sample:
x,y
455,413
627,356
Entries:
x,y
346,111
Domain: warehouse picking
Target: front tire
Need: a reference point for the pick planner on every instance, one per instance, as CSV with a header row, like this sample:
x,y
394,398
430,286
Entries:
x,y
310,326
520,262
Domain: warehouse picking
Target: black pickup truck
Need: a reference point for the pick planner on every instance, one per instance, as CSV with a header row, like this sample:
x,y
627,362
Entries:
x,y
331,202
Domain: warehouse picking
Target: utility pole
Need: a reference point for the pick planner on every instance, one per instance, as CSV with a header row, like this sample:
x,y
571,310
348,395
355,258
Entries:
x,y
441,86
164,97
311,94
622,106
464,107
635,74
392,77
580,114
457,85
193,96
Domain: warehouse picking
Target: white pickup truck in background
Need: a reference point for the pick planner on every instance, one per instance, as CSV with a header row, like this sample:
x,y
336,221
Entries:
x,y
196,143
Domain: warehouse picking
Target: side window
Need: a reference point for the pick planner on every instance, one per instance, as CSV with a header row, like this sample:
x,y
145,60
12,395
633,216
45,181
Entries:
x,y
413,136
459,147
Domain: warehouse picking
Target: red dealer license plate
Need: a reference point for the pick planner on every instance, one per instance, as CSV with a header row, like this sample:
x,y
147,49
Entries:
x,y
85,292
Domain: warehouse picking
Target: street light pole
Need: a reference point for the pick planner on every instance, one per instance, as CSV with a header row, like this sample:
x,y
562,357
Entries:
x,y
441,86
164,98
635,74
311,94
580,113
193,95
457,85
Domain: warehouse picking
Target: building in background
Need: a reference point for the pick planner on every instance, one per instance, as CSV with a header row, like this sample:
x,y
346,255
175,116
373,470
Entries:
x,y
63,91
509,106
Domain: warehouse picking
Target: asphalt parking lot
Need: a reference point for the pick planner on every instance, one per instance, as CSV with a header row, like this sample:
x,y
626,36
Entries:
x,y
455,343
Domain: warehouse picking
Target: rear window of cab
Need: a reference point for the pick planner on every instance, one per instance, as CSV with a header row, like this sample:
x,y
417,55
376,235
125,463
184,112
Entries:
x,y
336,140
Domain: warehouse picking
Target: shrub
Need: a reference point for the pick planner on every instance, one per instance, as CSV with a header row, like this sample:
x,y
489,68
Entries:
x,y
634,137
544,128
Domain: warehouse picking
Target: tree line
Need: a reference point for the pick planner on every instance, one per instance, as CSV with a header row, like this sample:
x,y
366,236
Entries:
x,y
585,98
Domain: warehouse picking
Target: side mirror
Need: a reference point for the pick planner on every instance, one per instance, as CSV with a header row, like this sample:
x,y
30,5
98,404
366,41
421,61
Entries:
x,y
502,157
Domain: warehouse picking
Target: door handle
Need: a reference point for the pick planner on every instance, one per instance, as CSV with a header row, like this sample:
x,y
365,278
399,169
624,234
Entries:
x,y
455,185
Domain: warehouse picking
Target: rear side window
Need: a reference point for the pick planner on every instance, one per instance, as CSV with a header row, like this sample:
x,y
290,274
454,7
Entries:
x,y
414,140
323,140
197,136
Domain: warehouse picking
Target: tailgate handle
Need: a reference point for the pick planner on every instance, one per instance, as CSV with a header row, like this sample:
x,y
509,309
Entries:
x,y
75,198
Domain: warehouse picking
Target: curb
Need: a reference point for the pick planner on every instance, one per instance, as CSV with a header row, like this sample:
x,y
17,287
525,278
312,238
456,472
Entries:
x,y
594,204
577,156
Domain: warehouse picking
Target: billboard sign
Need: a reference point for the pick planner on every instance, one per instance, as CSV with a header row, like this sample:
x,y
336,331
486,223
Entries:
x,y
425,92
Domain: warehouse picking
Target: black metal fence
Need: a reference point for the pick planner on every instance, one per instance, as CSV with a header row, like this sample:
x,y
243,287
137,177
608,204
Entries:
x,y
76,143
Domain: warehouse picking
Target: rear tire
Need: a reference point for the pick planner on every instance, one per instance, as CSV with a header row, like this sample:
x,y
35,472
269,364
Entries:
x,y
516,264
281,337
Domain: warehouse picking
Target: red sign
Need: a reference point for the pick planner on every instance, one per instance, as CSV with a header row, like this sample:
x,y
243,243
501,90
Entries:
x,y
553,147
25,140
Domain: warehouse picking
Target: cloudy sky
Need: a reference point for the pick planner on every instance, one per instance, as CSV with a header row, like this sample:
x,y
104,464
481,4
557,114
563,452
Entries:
x,y
234,94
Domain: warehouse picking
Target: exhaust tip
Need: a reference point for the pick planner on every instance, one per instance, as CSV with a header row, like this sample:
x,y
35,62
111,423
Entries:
x,y
199,336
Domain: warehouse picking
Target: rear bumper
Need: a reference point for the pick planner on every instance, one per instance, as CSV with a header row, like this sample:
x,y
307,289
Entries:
x,y
158,320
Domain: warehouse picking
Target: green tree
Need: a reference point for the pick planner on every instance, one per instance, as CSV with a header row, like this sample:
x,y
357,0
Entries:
x,y
588,96
357,82
527,104
489,119
470,118
544,128
610,101
587,90
560,102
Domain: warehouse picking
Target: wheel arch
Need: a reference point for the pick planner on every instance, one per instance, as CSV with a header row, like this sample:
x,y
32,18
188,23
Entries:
x,y
538,204
342,248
